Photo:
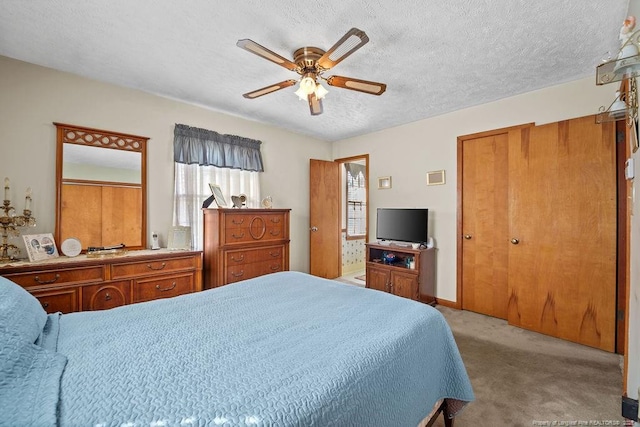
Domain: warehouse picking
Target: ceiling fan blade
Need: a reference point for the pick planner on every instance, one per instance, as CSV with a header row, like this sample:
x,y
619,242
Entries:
x,y
373,88
349,43
315,104
269,89
255,48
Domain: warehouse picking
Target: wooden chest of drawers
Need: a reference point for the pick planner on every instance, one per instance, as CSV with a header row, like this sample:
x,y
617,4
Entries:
x,y
243,243
81,283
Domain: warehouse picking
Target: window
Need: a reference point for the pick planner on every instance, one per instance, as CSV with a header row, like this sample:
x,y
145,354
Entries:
x,y
192,188
356,201
204,157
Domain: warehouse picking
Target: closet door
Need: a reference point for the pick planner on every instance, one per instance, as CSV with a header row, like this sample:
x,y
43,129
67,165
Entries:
x,y
485,230
562,243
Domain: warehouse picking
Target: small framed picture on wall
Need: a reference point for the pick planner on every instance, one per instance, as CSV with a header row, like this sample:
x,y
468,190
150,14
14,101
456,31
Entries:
x,y
384,183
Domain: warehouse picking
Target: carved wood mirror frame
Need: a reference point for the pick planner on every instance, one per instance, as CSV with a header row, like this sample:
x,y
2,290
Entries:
x,y
132,212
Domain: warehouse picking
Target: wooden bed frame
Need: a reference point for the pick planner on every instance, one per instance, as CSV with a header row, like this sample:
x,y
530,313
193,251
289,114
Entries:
x,y
442,409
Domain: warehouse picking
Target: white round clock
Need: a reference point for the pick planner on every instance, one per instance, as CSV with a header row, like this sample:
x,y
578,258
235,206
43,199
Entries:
x,y
71,247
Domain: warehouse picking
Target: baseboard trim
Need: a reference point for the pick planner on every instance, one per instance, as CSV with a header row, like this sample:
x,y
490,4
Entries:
x,y
447,303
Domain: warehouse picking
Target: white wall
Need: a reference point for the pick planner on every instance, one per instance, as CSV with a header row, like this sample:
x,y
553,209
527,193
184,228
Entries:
x,y
408,152
32,97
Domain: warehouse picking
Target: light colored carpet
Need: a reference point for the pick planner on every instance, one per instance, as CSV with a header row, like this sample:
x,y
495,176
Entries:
x,y
522,378
351,280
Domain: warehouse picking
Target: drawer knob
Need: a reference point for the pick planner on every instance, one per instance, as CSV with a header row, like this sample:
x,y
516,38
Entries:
x,y
173,285
275,267
107,297
151,267
275,220
241,258
238,274
235,221
238,236
274,254
46,282
45,305
274,232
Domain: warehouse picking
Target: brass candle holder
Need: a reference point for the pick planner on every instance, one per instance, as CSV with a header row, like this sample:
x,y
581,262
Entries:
x,y
9,223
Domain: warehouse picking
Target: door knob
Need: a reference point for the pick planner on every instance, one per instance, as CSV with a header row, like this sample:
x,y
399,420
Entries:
x,y
314,229
467,236
515,241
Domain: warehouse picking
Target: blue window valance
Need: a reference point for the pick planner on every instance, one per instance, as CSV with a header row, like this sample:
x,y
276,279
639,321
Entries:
x,y
209,148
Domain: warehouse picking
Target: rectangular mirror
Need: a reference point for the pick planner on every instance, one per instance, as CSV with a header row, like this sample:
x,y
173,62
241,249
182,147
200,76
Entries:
x,y
101,187
89,163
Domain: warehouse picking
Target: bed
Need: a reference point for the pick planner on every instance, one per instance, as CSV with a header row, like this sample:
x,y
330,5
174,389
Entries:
x,y
286,349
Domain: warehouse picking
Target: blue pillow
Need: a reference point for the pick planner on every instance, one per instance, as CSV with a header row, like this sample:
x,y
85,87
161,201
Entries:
x,y
21,314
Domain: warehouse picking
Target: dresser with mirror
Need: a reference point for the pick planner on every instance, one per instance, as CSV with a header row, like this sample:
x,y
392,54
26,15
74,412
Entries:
x,y
101,201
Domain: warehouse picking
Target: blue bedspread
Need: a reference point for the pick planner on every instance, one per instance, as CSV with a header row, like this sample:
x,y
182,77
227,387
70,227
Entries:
x,y
286,349
29,383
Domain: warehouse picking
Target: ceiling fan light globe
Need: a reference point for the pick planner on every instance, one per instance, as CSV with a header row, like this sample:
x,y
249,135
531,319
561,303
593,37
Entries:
x,y
308,83
320,91
301,94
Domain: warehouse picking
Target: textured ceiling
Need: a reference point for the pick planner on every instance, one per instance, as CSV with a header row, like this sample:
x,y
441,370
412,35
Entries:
x,y
435,57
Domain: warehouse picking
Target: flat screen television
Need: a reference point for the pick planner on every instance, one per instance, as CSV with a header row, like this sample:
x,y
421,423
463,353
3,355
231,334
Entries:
x,y
402,225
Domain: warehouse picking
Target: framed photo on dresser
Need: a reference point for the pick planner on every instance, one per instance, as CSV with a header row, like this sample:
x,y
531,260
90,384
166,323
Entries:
x,y
179,239
40,246
217,195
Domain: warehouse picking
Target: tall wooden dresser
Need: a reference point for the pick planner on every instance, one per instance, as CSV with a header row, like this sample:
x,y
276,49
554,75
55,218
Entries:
x,y
243,243
80,284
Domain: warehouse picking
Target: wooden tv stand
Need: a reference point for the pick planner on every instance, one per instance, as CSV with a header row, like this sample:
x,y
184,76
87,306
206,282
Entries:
x,y
397,277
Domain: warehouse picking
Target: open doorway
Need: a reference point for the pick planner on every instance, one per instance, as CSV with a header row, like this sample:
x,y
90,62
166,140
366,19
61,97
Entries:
x,y
354,213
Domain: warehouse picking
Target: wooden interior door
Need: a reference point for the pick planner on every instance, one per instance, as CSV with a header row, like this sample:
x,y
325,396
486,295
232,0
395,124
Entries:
x,y
485,224
324,219
562,209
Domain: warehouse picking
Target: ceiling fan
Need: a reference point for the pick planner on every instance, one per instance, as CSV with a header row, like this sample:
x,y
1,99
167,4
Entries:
x,y
311,63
